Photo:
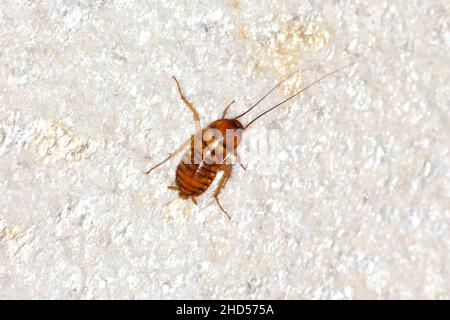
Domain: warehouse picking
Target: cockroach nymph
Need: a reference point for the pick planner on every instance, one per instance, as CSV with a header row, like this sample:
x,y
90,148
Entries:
x,y
211,146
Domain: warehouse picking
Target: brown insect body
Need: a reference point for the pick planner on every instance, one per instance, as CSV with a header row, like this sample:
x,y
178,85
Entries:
x,y
208,153
194,177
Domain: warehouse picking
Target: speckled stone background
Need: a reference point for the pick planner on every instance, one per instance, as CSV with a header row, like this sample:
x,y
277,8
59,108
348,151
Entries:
x,y
351,200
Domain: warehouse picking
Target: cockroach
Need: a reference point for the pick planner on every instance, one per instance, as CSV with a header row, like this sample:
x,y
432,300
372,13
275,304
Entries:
x,y
211,146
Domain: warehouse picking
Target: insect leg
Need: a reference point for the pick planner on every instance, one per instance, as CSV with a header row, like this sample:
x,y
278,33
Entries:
x,y
170,156
189,105
223,180
238,159
226,109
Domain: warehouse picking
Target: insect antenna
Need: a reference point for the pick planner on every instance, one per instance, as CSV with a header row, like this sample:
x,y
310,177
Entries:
x,y
265,96
295,94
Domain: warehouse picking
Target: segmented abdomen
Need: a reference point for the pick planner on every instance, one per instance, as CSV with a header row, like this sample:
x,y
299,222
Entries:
x,y
194,179
199,167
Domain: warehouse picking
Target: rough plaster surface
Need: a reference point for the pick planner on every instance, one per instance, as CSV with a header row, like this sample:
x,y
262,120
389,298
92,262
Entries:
x,y
351,201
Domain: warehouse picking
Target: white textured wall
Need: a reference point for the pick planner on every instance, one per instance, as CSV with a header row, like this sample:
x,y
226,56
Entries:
x,y
353,201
